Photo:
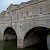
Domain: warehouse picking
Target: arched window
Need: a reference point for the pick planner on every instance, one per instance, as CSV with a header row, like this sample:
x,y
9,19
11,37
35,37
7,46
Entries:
x,y
40,10
27,13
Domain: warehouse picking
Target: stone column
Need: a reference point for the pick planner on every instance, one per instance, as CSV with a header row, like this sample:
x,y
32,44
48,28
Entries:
x,y
20,35
19,43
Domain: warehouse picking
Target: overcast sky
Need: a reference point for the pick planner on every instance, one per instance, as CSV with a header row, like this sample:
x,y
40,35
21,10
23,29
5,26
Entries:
x,y
5,3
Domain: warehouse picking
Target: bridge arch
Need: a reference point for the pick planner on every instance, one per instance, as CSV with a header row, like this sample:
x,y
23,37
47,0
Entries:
x,y
38,28
9,34
36,35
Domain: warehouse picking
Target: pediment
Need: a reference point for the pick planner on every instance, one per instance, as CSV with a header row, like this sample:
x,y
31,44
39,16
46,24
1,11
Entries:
x,y
10,6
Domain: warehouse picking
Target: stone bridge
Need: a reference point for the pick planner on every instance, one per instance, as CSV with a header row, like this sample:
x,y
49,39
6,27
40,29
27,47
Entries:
x,y
29,22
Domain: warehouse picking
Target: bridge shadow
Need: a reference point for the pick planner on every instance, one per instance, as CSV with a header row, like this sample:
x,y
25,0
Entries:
x,y
41,45
38,46
10,39
40,33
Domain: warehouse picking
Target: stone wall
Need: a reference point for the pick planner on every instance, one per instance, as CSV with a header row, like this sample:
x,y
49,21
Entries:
x,y
9,37
25,16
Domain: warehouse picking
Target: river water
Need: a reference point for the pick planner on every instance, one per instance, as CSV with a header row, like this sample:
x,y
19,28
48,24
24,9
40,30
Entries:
x,y
11,45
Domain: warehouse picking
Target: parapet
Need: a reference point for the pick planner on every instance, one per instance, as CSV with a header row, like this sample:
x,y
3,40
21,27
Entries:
x,y
23,4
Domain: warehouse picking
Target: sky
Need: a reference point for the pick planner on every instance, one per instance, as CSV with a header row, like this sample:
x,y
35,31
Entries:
x,y
5,3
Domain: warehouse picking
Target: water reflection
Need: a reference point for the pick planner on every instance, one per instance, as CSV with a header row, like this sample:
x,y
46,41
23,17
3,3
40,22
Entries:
x,y
11,45
1,45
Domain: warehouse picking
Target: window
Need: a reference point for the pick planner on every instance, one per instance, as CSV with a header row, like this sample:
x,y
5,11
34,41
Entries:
x,y
21,14
8,13
17,15
40,10
27,12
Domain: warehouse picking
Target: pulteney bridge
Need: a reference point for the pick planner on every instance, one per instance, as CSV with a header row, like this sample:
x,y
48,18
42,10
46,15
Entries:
x,y
28,22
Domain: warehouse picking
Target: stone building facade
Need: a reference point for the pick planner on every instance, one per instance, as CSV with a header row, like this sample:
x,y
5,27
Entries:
x,y
23,17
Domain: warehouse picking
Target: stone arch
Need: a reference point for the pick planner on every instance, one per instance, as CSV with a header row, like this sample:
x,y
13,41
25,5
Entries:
x,y
9,31
35,35
32,29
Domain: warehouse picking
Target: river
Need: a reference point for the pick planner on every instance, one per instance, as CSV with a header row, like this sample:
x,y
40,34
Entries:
x,y
11,45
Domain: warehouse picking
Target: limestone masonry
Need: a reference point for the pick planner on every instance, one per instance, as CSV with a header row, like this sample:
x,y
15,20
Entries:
x,y
23,17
